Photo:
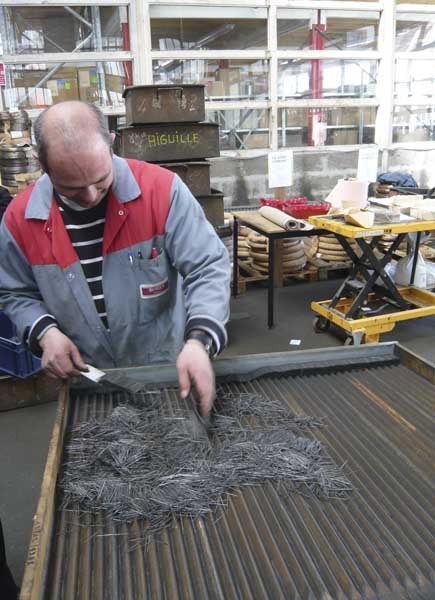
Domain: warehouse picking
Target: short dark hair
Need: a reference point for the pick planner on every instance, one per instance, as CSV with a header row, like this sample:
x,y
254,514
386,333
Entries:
x,y
42,143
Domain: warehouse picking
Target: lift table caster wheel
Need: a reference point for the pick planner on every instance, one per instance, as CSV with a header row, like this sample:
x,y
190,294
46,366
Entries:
x,y
349,341
320,324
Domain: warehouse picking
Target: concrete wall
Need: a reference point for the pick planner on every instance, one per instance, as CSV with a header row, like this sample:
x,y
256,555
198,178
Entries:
x,y
420,163
244,180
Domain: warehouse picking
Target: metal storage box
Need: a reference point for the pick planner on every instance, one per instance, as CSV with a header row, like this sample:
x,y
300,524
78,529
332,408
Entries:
x,y
145,104
213,206
176,141
196,175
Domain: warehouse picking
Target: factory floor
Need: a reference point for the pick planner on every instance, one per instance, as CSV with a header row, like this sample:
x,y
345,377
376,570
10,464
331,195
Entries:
x,y
25,432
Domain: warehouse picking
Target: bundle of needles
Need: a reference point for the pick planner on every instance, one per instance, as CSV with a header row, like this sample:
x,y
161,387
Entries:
x,y
142,463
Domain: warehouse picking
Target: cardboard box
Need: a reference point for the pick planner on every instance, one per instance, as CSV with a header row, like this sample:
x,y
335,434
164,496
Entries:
x,y
88,84
258,140
63,88
342,137
216,89
230,79
115,83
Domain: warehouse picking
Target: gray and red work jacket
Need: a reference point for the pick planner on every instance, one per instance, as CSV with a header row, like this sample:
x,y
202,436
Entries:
x,y
165,271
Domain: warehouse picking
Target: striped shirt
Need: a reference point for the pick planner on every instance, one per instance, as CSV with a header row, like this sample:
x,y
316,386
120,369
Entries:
x,y
86,229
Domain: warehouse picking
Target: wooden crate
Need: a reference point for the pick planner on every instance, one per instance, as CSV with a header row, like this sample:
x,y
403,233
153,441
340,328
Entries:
x,y
17,393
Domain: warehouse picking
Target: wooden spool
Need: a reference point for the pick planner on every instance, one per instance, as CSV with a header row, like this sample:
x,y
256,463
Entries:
x,y
288,266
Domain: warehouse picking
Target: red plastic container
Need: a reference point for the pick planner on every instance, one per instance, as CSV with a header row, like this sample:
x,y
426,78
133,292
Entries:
x,y
303,211
272,202
281,204
295,201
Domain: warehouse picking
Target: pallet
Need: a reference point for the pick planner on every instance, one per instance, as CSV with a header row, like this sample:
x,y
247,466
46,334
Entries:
x,y
251,275
329,270
313,272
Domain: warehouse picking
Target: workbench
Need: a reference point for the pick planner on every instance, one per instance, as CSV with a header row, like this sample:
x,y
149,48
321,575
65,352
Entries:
x,y
273,233
361,306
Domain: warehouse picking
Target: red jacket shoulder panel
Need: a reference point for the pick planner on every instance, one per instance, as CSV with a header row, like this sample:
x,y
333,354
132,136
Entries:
x,y
143,218
155,183
25,232
129,223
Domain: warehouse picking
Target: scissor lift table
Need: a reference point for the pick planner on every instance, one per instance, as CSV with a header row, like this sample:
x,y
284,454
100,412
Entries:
x,y
360,306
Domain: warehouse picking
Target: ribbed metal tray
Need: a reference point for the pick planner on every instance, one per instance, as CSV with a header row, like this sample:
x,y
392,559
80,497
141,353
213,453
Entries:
x,y
377,544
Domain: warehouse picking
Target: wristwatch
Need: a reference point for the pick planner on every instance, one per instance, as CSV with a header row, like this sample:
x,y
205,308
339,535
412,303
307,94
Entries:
x,y
203,337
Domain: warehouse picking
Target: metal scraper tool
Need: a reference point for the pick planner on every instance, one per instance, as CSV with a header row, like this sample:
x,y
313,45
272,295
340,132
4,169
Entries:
x,y
116,379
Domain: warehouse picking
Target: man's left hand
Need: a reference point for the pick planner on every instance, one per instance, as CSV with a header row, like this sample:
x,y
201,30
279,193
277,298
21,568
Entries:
x,y
194,366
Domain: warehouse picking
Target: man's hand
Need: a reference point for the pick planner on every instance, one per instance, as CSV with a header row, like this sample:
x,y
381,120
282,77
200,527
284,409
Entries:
x,y
60,358
194,366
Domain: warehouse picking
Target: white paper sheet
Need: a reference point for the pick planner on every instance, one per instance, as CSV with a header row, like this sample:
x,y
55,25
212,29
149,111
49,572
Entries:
x,y
280,168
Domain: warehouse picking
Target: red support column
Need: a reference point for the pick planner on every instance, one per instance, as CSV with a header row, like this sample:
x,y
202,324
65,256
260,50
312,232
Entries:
x,y
315,115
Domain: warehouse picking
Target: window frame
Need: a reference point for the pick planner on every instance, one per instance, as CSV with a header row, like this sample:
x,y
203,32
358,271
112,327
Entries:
x,y
142,55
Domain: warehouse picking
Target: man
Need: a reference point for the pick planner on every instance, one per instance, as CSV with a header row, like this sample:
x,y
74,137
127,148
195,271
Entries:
x,y
111,262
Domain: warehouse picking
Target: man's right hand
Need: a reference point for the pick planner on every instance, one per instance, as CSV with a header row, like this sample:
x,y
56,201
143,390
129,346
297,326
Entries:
x,y
60,357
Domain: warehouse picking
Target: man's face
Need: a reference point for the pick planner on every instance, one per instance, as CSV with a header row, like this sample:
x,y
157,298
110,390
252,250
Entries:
x,y
83,176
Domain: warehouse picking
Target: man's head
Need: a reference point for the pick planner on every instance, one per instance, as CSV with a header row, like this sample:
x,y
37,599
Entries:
x,y
74,148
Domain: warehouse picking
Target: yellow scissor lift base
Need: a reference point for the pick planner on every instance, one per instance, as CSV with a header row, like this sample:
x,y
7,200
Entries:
x,y
368,329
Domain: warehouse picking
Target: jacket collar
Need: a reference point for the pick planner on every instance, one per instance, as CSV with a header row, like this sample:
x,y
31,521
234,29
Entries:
x,y
124,187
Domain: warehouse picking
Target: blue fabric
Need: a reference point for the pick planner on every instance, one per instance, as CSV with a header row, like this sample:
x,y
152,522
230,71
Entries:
x,y
398,179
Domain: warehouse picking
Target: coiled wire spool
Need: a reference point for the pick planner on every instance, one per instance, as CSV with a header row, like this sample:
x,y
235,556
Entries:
x,y
293,256
5,121
20,121
15,159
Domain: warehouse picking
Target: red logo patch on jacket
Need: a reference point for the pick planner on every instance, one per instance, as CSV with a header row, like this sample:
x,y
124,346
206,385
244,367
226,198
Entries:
x,y
154,290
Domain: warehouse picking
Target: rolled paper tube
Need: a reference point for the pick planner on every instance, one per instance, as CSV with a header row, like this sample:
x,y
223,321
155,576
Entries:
x,y
282,219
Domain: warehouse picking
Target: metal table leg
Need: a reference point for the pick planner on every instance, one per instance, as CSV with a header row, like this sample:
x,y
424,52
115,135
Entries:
x,y
271,283
235,257
415,259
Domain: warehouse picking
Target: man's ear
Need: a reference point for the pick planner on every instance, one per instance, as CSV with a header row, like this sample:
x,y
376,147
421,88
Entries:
x,y
36,155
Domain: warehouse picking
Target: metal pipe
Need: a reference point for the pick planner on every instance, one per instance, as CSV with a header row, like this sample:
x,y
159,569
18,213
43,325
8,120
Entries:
x,y
49,40
222,30
96,25
78,16
54,70
6,47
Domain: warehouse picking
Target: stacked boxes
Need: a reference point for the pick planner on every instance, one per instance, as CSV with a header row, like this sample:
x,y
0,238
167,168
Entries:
x,y
165,125
16,154
66,83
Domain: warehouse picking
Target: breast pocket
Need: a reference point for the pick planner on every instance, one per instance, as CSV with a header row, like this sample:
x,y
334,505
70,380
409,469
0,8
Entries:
x,y
152,286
